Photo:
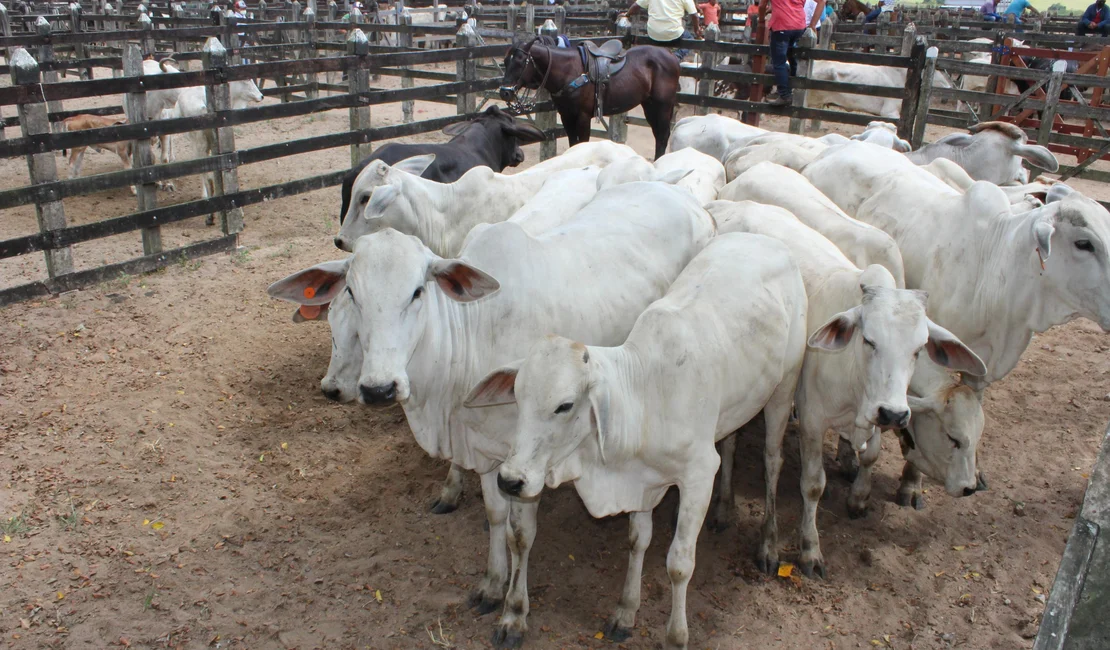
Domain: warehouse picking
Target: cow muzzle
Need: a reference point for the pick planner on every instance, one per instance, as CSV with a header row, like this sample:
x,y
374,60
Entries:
x,y
382,395
892,418
510,486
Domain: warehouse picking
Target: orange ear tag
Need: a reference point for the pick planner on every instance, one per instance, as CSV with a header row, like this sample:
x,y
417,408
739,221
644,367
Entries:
x,y
309,292
310,312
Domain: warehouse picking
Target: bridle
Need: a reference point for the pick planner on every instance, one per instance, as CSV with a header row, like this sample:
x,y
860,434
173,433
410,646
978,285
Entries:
x,y
527,103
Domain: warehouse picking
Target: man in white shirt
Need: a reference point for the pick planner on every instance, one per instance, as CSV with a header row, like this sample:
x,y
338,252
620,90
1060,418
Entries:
x,y
664,24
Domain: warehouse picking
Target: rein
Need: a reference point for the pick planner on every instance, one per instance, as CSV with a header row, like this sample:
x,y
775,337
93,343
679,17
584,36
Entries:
x,y
527,103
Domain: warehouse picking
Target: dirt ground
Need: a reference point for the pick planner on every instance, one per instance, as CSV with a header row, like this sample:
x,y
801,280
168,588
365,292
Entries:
x,y
172,477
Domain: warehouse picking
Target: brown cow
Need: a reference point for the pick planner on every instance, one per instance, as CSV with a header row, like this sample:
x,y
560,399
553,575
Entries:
x,y
83,122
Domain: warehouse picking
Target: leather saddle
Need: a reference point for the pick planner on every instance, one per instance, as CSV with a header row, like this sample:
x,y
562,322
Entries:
x,y
602,62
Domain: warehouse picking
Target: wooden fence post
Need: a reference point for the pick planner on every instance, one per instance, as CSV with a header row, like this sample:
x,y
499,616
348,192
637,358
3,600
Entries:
x,y
218,97
560,19
46,55
530,18
466,69
1052,99
141,155
114,26
994,83
708,60
262,9
921,120
617,129
909,37
180,45
147,40
407,81
34,120
510,16
908,113
545,120
80,50
358,80
824,42
5,30
310,51
797,124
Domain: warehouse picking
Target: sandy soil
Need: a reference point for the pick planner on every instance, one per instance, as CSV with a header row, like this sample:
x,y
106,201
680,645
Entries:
x,y
174,478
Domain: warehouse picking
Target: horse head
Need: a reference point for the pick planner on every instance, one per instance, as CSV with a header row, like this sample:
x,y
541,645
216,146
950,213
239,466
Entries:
x,y
521,71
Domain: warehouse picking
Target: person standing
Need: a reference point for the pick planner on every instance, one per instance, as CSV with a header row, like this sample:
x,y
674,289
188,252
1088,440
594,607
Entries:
x,y
1095,19
788,24
711,13
883,5
664,24
1018,7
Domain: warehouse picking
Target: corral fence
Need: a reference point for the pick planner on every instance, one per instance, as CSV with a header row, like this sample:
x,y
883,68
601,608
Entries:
x,y
324,65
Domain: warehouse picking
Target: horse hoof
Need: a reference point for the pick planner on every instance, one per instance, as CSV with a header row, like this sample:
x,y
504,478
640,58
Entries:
x,y
481,604
617,634
443,507
504,638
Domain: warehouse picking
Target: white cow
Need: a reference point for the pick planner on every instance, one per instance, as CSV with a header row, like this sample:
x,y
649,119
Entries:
x,y
865,388
786,153
626,423
425,348
858,73
159,102
1022,198
883,134
993,277
441,214
710,134
192,102
570,190
863,244
700,174
992,152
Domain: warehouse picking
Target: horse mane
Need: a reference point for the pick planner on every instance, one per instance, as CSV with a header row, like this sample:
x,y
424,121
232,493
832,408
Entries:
x,y
1012,131
544,39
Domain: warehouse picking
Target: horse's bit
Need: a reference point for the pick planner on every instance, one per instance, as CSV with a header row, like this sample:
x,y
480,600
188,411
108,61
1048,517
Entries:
x,y
527,103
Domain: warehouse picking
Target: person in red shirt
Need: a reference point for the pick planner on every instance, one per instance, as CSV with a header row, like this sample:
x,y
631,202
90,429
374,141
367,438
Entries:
x,y
788,24
711,11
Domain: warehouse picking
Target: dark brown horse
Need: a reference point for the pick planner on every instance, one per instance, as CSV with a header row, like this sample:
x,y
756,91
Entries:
x,y
649,79
852,8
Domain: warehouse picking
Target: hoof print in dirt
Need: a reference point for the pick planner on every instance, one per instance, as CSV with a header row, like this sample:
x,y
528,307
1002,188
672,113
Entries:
x,y
504,638
616,633
442,508
482,605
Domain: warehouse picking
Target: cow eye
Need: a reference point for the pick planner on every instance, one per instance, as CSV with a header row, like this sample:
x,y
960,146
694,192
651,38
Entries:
x,y
564,407
364,200
869,343
416,294
1085,245
955,443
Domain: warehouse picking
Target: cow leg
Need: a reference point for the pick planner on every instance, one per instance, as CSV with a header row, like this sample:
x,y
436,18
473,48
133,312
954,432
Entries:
x,y
694,498
909,492
76,157
450,493
491,591
846,457
860,494
812,438
722,514
520,535
776,415
619,627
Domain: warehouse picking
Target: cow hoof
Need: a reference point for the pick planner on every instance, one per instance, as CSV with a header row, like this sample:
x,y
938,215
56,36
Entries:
x,y
857,511
617,634
908,499
507,638
443,507
813,568
210,220
767,564
481,604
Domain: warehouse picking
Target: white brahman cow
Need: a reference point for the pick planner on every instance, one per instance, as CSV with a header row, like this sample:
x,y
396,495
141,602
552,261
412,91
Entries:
x,y
626,423
883,134
430,328
863,388
993,151
441,214
861,74
701,174
863,244
710,134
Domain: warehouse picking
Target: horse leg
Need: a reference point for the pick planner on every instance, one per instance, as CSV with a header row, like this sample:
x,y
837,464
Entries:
x,y
659,114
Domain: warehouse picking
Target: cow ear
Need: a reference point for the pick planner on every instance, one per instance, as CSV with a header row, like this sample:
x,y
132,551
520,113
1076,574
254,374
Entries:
x,y
922,405
1037,156
311,312
1057,192
835,335
957,139
901,146
600,413
381,198
497,388
674,176
526,132
1043,227
455,129
316,285
416,164
462,282
948,351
